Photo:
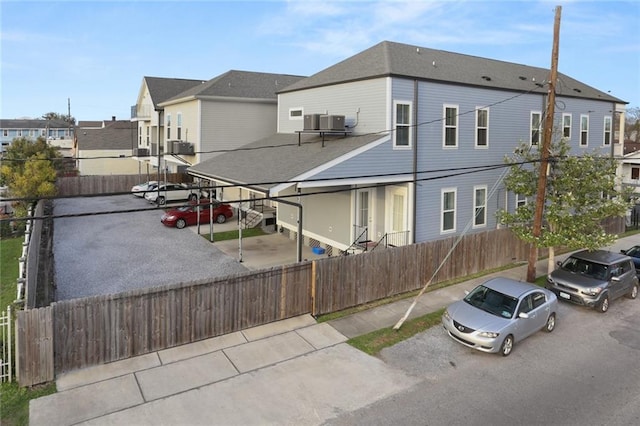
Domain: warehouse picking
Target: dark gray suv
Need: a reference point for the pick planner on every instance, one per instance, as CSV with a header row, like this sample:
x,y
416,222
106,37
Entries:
x,y
594,278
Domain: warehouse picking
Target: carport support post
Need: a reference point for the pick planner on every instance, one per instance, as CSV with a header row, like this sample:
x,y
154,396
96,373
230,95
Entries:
x,y
240,226
210,215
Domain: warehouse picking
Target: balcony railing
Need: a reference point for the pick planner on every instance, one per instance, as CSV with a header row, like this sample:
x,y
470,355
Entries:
x,y
141,111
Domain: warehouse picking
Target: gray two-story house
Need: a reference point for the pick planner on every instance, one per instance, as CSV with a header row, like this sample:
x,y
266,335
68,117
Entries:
x,y
401,144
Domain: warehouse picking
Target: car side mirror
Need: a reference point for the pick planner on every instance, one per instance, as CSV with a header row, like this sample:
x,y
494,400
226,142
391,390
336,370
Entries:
x,y
523,315
623,251
559,263
616,278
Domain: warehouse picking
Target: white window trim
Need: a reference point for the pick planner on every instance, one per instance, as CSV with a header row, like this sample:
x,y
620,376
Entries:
x,y
442,211
484,206
478,128
520,199
167,120
296,117
531,129
410,125
604,130
585,131
444,126
570,124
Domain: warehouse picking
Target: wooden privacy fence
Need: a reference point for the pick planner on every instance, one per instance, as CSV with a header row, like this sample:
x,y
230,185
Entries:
x,y
109,184
103,329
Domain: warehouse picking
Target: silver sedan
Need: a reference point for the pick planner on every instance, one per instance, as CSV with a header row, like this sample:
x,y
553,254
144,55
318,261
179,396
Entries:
x,y
499,313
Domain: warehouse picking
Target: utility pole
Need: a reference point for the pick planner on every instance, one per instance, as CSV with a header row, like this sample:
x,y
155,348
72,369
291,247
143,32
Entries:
x,y
544,150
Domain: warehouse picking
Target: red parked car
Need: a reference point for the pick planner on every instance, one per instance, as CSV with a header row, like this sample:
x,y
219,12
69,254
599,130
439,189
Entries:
x,y
188,214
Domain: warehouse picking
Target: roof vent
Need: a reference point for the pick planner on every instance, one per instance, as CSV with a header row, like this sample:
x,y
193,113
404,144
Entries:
x,y
486,77
577,90
539,84
523,78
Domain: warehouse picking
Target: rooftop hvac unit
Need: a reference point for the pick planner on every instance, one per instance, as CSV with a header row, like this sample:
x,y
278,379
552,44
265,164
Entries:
x,y
184,148
332,122
312,122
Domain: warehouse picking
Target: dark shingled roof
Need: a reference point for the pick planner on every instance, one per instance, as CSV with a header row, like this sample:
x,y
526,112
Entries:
x,y
119,134
278,158
162,89
241,84
32,123
402,60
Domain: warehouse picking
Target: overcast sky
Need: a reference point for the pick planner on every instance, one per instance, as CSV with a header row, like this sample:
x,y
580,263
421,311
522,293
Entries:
x,y
96,53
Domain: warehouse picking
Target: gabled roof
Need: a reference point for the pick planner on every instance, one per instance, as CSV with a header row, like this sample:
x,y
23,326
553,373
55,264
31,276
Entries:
x,y
267,162
33,123
239,84
162,89
116,135
390,59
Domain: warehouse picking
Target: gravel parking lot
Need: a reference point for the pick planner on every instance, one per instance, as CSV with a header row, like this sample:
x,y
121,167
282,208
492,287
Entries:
x,y
111,253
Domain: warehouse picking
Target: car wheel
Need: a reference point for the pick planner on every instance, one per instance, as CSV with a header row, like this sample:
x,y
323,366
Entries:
x,y
604,305
180,223
193,197
634,292
507,346
161,201
551,323
221,218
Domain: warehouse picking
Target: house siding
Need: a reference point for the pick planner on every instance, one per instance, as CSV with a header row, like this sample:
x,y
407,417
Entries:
x,y
368,97
104,165
228,125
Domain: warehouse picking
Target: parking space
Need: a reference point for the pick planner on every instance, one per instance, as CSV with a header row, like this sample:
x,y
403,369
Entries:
x,y
126,250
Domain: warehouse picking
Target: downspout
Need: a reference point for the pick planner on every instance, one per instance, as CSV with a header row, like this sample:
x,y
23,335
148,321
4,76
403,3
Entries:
x,y
415,161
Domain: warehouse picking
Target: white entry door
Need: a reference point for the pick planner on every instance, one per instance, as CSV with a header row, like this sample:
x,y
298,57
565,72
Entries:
x,y
364,215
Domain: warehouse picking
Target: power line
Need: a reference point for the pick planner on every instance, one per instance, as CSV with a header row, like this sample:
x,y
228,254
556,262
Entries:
x,y
301,195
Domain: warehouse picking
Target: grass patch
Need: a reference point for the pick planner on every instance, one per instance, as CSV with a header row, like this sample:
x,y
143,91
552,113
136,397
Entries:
x,y
234,235
10,251
15,401
372,343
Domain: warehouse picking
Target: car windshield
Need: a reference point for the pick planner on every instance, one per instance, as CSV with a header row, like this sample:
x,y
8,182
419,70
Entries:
x,y
492,301
633,251
586,268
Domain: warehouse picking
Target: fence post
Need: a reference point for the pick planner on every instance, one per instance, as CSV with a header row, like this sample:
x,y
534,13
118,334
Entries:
x,y
6,374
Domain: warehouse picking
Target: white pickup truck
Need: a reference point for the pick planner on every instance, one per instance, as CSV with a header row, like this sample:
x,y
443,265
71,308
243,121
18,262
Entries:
x,y
171,192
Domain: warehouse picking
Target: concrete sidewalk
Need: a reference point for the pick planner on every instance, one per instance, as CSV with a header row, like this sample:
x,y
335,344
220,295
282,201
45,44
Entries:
x,y
294,371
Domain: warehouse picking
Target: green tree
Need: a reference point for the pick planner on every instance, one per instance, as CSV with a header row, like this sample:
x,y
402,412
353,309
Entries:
x,y
62,117
29,169
632,124
581,192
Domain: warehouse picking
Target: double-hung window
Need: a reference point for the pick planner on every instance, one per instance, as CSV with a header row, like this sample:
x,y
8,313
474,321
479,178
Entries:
x,y
402,120
479,206
482,127
607,131
179,126
448,215
584,130
521,201
566,126
536,123
168,126
450,128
